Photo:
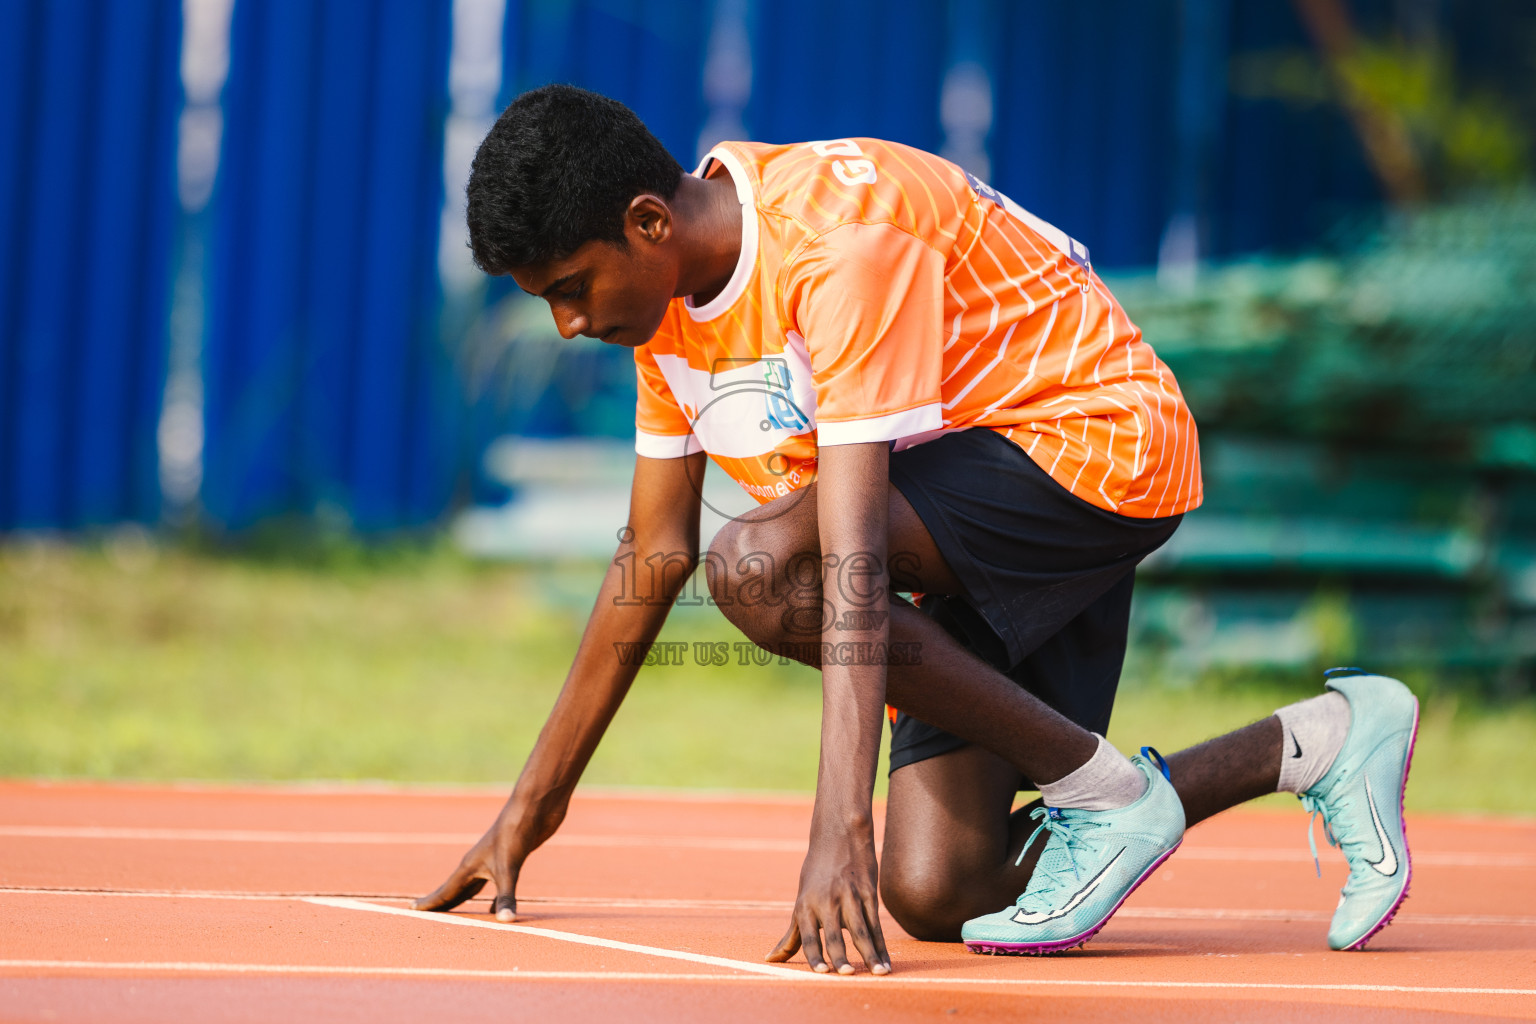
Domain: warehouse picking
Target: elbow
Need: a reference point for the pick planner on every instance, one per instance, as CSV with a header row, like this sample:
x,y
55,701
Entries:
x,y
661,566
672,570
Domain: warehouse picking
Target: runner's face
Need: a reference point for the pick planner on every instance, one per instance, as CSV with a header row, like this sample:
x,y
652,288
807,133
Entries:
x,y
617,295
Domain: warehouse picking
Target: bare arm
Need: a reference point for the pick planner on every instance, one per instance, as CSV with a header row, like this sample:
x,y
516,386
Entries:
x,y
852,523
838,882
663,520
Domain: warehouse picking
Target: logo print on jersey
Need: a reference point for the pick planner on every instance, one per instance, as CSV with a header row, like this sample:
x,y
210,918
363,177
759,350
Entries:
x,y
745,406
1074,250
1387,865
849,172
783,414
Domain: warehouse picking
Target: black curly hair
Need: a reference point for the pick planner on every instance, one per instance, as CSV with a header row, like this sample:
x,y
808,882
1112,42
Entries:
x,y
557,170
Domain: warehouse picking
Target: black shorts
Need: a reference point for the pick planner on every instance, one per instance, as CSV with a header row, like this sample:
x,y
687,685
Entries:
x,y
1047,577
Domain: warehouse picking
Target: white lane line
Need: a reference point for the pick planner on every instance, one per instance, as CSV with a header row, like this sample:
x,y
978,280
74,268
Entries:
x,y
769,906
197,967
584,940
210,835
194,967
155,894
641,903
1435,858
1255,914
222,835
602,902
725,843
373,789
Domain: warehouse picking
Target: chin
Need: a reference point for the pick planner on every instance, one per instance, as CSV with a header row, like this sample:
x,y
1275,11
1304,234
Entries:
x,y
631,337
624,337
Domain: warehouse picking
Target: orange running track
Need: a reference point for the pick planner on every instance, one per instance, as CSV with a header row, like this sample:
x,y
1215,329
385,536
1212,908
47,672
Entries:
x,y
124,903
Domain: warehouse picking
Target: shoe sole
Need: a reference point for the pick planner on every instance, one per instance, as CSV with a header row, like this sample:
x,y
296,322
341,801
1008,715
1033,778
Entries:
x,y
1402,797
1062,945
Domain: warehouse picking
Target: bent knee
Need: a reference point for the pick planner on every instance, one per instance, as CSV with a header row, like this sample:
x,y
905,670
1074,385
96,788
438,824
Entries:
x,y
930,902
719,564
731,565
750,569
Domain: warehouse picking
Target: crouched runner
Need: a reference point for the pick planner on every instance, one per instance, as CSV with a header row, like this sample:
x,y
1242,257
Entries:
x,y
930,392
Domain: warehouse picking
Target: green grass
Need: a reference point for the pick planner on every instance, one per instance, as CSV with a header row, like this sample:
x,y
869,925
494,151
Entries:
x,y
424,669
124,661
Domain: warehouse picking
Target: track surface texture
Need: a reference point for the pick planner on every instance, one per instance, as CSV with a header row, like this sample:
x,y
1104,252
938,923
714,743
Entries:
x,y
124,903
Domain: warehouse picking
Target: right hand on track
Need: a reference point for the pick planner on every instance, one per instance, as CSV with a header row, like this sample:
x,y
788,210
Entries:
x,y
839,890
490,860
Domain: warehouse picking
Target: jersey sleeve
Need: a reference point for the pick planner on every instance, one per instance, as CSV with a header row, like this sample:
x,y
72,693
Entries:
x,y
662,429
868,300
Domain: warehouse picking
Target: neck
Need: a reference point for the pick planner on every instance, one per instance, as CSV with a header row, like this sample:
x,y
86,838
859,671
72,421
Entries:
x,y
709,213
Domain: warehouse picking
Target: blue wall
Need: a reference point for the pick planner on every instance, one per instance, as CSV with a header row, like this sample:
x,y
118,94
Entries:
x,y
325,381
647,53
329,374
88,101
857,67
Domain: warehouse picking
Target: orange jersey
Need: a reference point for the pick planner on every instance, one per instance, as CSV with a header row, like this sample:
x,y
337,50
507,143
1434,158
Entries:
x,y
883,294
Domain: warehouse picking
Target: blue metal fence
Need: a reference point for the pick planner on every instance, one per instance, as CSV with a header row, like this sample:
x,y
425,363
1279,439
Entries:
x,y
859,67
647,53
327,379
88,100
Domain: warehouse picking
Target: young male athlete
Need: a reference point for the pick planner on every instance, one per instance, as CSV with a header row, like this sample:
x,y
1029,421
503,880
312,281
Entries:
x,y
930,392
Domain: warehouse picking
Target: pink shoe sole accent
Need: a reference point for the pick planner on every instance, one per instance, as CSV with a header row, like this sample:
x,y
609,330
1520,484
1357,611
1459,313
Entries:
x,y
1062,945
1402,799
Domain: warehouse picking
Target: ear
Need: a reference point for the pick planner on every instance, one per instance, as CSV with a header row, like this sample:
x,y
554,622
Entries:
x,y
649,217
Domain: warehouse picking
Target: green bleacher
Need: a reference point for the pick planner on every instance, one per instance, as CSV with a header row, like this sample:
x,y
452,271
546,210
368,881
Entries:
x,y
1368,423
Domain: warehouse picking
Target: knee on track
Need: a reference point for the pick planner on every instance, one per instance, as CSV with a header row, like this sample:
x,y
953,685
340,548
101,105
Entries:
x,y
929,903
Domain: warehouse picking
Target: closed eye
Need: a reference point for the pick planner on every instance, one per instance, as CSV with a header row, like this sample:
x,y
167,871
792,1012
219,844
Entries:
x,y
565,289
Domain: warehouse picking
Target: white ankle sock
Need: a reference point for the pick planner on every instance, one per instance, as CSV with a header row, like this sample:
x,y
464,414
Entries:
x,y
1108,780
1314,732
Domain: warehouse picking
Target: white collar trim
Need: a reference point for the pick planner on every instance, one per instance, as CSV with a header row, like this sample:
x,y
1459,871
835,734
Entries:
x,y
748,259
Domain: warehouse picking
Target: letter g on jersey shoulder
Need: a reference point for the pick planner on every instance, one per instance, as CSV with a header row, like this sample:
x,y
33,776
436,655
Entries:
x,y
849,172
854,172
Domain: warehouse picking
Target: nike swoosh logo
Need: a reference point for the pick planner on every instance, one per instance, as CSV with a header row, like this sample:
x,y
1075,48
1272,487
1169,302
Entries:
x,y
1036,917
1387,865
1297,744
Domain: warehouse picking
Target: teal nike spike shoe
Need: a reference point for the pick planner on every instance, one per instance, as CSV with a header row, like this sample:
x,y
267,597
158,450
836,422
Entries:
x,y
1092,861
1360,800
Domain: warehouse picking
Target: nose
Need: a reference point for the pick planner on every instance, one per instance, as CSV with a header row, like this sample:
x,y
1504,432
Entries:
x,y
570,323
571,326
